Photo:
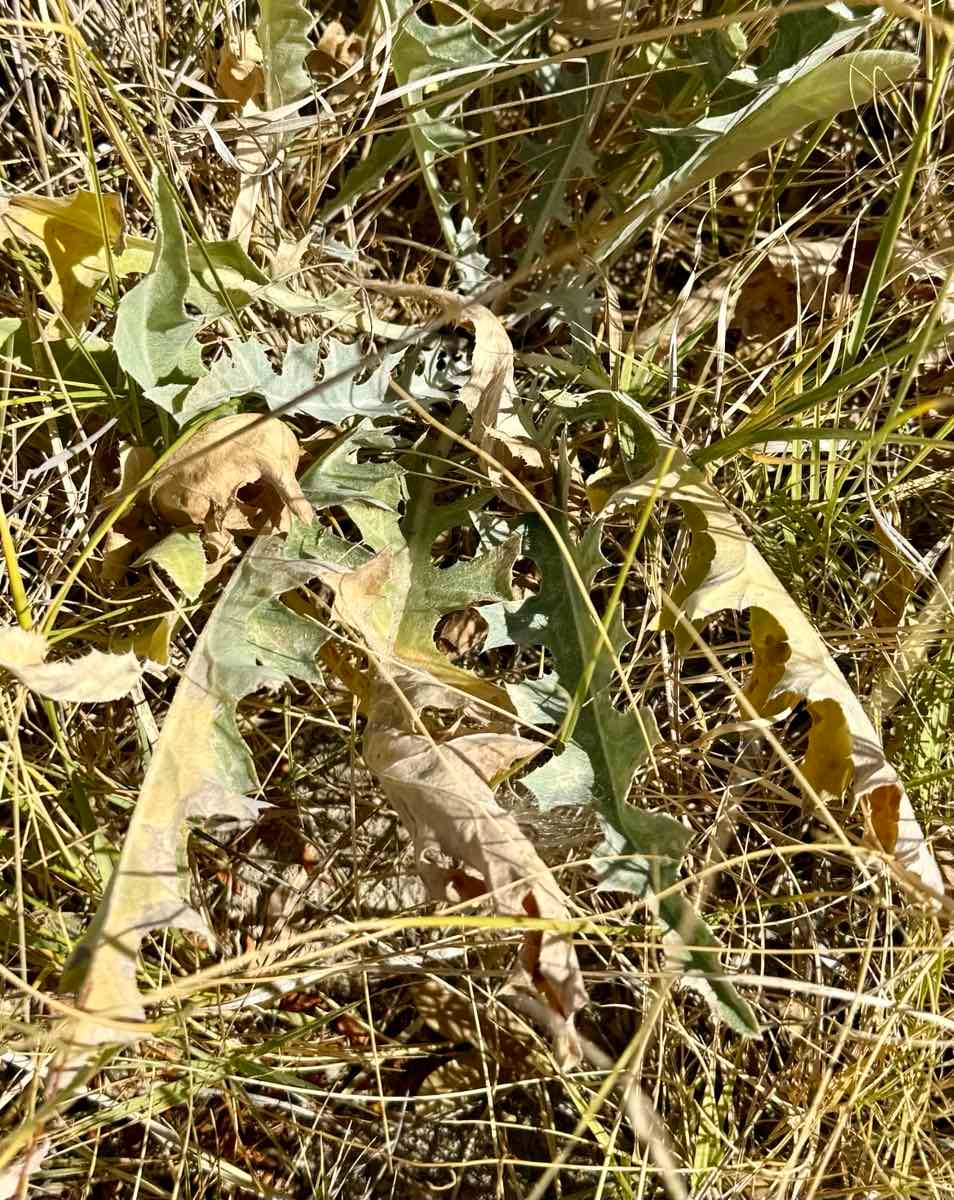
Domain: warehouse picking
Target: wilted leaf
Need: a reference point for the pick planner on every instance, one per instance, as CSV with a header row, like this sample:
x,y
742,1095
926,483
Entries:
x,y
88,680
155,337
489,394
442,788
70,233
200,768
199,483
182,558
790,663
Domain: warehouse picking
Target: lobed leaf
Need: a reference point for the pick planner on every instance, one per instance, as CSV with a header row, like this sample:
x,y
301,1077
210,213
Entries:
x,y
596,768
790,660
155,338
200,768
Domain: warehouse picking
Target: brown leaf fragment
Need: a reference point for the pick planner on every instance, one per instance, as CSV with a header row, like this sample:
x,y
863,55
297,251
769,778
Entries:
x,y
340,47
240,76
94,678
443,789
200,483
451,1014
490,396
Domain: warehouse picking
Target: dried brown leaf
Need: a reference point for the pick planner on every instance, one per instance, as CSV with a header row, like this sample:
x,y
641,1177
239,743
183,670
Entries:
x,y
240,75
200,483
439,789
442,789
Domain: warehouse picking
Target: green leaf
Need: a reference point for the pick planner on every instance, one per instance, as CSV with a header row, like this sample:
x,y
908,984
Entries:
x,y
222,274
200,768
419,51
283,29
776,113
182,558
155,338
598,766
341,396
244,370
370,492
368,174
566,156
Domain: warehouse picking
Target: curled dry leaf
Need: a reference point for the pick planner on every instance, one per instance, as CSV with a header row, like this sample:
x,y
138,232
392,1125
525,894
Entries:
x,y
76,237
790,660
337,50
200,482
200,768
240,76
94,678
490,396
442,789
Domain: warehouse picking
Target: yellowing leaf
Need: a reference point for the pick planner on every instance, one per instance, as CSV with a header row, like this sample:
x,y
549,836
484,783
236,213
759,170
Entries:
x,y
199,483
791,662
442,789
182,558
200,768
70,233
94,678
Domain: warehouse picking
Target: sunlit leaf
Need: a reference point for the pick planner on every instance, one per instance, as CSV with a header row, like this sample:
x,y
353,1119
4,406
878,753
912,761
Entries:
x,y
155,337
791,662
283,29
70,232
182,558
93,678
200,768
